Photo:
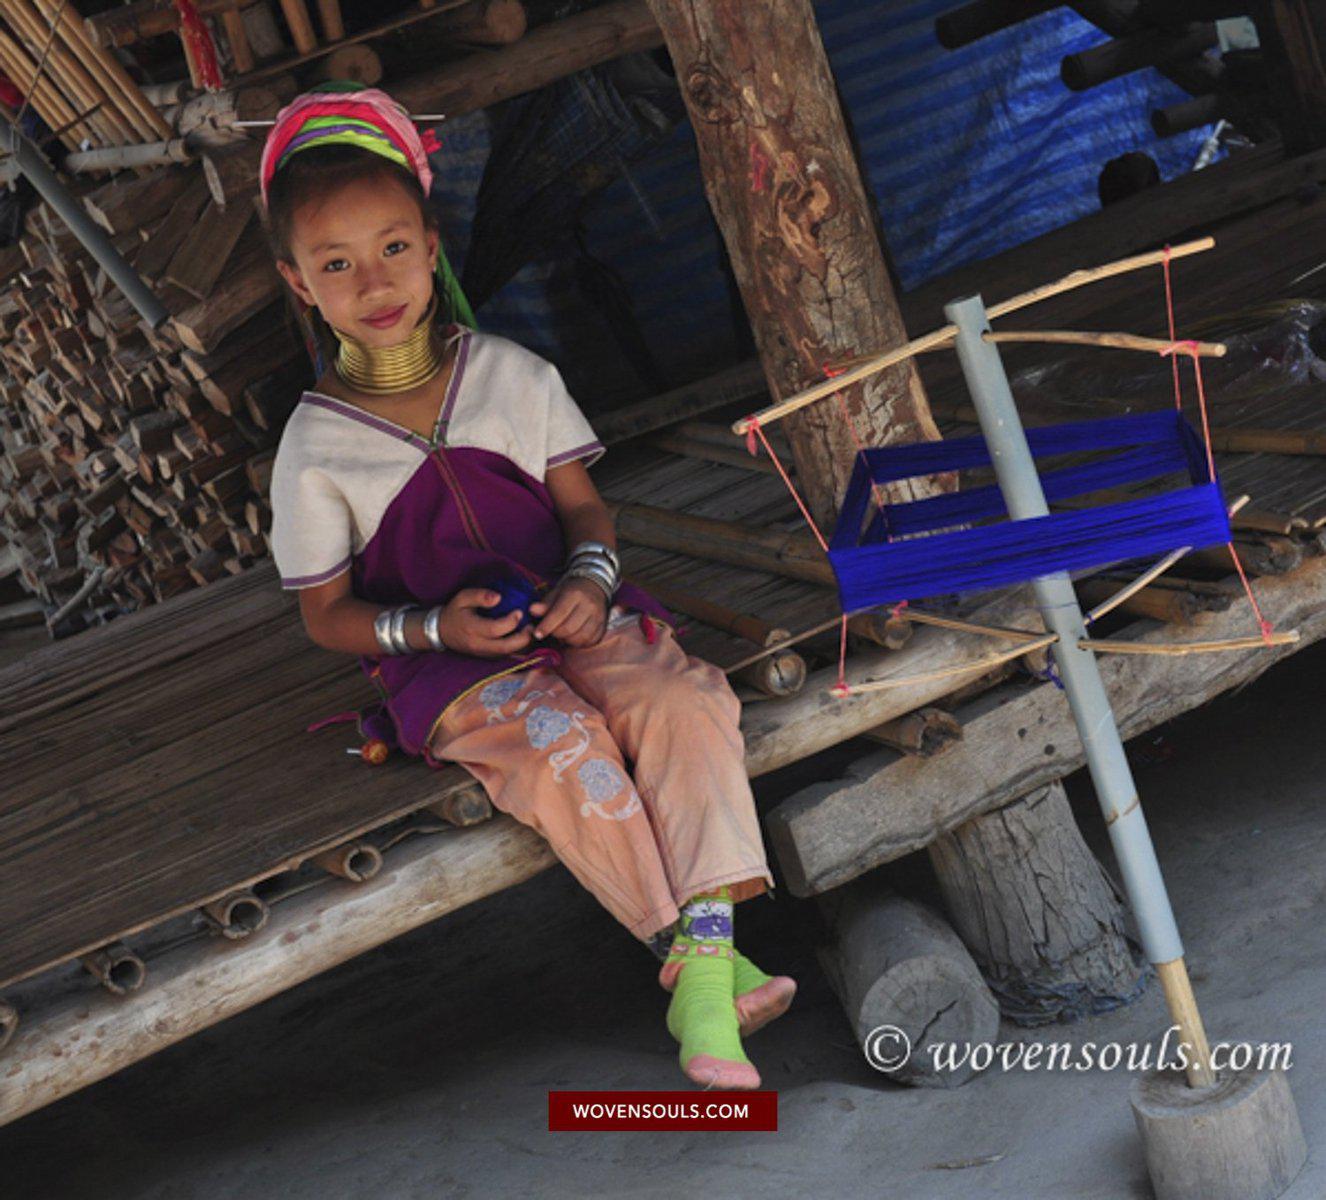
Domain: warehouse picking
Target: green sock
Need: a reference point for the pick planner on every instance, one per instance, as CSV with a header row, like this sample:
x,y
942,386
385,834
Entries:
x,y
746,976
701,1016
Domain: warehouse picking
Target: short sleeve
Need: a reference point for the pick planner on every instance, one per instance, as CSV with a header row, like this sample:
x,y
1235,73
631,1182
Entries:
x,y
311,522
569,434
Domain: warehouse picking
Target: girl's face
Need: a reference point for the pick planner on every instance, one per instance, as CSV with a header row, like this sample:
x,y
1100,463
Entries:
x,y
365,259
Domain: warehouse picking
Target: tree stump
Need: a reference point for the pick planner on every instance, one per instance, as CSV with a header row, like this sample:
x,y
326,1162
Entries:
x,y
1038,912
907,983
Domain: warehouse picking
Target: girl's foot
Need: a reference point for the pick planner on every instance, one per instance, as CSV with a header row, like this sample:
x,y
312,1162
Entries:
x,y
758,999
701,1017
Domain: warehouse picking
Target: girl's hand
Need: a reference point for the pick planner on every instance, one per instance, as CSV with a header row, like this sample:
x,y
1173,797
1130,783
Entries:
x,y
576,613
467,631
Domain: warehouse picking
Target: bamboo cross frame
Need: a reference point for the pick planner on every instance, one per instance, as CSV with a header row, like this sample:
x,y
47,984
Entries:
x,y
941,337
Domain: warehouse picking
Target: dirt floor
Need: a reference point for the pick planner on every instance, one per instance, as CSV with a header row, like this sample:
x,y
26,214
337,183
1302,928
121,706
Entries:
x,y
422,1069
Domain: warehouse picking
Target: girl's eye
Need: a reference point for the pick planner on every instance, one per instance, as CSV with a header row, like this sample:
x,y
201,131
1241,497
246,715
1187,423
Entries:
x,y
336,264
396,247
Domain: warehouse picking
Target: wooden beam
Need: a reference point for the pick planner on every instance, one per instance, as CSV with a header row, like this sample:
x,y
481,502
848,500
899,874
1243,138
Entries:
x,y
1013,741
783,181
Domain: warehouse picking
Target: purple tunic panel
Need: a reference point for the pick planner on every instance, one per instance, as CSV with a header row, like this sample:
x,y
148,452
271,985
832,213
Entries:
x,y
466,518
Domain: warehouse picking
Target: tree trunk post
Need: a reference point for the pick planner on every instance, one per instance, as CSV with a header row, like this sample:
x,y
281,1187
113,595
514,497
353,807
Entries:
x,y
1042,919
787,193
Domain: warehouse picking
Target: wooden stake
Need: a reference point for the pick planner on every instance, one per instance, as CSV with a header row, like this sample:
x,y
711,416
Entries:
x,y
1183,1012
237,36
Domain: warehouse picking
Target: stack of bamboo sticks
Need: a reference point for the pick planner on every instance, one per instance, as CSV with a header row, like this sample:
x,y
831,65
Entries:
x,y
81,90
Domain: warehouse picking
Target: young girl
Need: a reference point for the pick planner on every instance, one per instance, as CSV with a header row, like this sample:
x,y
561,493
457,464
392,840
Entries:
x,y
435,473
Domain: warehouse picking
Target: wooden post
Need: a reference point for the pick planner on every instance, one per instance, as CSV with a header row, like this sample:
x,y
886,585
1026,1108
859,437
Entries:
x,y
1293,38
1039,914
784,185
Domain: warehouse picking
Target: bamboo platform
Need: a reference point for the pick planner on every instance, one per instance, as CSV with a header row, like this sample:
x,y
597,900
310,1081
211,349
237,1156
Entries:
x,y
161,763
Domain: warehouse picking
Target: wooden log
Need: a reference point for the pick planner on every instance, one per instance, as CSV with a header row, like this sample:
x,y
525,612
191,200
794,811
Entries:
x,y
1163,604
1119,19
551,52
123,158
250,285
925,733
1124,55
232,173
1042,919
782,179
76,1040
360,63
1238,1140
782,673
962,26
484,23
1266,556
167,237
126,205
202,257
1013,741
732,455
897,966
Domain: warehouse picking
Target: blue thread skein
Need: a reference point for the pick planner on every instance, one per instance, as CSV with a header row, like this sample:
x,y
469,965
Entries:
x,y
516,594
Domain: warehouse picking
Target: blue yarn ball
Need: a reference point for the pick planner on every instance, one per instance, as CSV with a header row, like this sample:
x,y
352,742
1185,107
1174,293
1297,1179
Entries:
x,y
516,593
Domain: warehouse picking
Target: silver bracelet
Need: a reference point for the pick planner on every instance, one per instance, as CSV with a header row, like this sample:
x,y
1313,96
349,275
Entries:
x,y
431,628
382,630
596,572
398,629
597,548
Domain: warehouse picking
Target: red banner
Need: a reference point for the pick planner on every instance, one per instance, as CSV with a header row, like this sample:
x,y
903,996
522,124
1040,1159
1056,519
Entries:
x,y
757,1111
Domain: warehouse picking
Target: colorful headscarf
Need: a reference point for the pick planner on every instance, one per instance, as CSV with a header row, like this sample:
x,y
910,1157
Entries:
x,y
345,113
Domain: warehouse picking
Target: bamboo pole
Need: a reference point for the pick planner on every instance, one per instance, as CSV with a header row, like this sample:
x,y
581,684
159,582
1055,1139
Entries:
x,y
719,616
117,968
333,26
232,21
357,861
1176,650
236,915
973,665
115,80
941,337
1117,341
301,28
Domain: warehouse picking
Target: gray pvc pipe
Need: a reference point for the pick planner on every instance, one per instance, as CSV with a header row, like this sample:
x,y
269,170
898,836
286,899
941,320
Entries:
x,y
33,164
1021,486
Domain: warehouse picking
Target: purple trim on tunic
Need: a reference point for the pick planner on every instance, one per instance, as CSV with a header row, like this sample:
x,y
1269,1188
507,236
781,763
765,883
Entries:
x,y
390,428
453,387
421,553
584,451
295,581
